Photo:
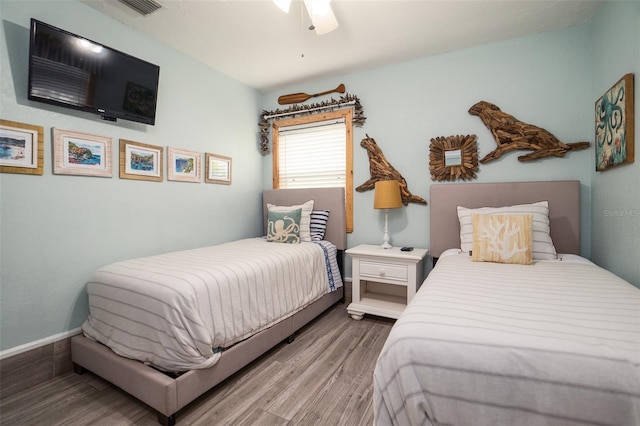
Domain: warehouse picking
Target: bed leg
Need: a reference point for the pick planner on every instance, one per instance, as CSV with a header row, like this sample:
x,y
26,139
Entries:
x,y
290,339
340,260
167,420
78,369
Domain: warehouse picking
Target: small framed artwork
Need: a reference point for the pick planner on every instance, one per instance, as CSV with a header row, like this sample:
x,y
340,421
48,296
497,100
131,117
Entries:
x,y
615,125
140,161
183,165
21,148
218,169
76,153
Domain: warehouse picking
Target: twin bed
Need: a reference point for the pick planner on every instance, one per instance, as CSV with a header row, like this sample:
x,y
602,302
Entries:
x,y
553,342
168,328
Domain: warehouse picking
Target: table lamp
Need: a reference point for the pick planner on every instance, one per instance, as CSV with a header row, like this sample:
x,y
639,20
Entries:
x,y
387,196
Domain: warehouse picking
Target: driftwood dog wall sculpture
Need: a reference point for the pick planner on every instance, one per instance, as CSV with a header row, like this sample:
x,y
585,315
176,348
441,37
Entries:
x,y
380,169
511,134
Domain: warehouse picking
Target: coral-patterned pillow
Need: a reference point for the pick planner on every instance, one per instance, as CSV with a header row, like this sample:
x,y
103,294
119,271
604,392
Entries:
x,y
543,248
502,238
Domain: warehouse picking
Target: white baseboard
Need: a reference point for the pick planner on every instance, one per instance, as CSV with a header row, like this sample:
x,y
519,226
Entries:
x,y
38,343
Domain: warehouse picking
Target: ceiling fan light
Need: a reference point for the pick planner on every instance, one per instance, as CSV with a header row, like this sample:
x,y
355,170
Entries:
x,y
322,17
320,7
325,24
284,5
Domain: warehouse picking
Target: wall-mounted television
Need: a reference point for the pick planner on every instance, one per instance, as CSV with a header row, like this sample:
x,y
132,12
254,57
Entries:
x,y
72,71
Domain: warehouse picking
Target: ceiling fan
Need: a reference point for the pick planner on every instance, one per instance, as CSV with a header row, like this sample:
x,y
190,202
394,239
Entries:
x,y
322,18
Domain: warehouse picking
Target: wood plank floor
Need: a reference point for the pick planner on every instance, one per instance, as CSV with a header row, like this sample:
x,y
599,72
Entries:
x,y
323,378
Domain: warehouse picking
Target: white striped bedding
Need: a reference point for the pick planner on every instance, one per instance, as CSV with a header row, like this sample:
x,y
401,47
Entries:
x,y
554,343
177,311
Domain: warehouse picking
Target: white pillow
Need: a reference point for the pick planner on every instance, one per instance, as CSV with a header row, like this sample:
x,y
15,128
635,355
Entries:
x,y
543,248
305,218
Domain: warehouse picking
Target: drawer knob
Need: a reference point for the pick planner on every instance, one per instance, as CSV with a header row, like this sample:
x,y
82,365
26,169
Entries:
x,y
382,273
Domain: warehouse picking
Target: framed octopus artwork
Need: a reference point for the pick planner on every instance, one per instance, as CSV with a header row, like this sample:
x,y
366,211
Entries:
x,y
615,125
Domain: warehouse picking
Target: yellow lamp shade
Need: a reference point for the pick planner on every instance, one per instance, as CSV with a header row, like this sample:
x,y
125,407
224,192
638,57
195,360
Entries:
x,y
387,195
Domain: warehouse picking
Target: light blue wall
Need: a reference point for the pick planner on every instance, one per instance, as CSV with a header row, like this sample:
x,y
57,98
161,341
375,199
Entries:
x,y
56,230
615,209
544,79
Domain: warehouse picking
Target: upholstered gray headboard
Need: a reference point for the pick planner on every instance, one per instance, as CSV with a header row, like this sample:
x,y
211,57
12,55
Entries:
x,y
564,209
332,199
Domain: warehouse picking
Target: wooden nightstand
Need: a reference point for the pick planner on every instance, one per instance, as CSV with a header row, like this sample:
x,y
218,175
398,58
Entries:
x,y
384,280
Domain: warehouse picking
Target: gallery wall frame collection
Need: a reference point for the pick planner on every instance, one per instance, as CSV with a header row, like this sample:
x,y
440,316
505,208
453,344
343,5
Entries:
x,y
86,154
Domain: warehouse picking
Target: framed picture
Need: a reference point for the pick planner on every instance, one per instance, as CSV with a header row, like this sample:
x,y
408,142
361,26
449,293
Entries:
x,y
21,148
218,169
183,165
76,153
615,125
140,161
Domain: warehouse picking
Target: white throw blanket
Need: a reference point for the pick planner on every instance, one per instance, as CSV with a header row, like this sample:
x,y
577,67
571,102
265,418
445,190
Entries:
x,y
177,311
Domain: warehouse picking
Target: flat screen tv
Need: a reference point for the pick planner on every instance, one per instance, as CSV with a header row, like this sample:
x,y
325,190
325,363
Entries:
x,y
72,71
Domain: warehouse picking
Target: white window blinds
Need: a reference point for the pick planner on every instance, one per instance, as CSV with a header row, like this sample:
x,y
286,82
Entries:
x,y
312,156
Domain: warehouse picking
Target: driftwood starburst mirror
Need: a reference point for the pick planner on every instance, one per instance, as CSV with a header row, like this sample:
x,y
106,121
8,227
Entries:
x,y
453,157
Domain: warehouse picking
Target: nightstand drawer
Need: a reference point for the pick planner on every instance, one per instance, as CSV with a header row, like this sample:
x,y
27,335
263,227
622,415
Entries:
x,y
384,270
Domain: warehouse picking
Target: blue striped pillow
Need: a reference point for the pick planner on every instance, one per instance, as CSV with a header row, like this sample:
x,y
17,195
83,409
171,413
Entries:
x,y
318,224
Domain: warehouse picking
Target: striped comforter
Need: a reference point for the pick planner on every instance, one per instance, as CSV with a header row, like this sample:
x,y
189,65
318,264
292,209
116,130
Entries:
x,y
177,311
554,343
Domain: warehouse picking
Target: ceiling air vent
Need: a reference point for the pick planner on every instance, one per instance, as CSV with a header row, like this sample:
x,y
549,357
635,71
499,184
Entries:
x,y
144,7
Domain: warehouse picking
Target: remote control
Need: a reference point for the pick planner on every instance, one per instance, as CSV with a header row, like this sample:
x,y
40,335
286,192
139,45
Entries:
x,y
406,248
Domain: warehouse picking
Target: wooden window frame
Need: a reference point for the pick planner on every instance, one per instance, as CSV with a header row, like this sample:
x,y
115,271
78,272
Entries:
x,y
347,115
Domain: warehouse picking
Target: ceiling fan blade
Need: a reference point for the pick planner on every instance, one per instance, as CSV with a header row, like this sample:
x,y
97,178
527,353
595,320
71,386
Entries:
x,y
322,17
284,5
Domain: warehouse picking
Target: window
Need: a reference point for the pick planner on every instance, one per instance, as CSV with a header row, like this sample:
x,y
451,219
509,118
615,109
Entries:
x,y
315,151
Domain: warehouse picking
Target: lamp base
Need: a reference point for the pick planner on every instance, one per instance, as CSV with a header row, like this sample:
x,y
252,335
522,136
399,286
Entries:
x,y
386,245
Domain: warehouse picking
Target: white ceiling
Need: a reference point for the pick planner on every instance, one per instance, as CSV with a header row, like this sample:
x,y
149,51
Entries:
x,y
254,42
